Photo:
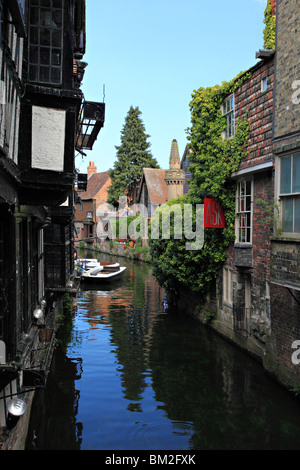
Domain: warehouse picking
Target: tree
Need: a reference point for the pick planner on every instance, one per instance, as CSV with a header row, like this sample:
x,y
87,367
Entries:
x,y
132,156
213,162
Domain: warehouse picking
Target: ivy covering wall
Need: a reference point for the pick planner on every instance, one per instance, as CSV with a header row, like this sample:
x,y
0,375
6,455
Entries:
x,y
270,28
214,159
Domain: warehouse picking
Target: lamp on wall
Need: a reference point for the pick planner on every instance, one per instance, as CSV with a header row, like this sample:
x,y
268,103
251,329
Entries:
x,y
16,407
38,313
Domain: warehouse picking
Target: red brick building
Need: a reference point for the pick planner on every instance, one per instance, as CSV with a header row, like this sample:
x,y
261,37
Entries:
x,y
283,355
243,286
86,219
257,298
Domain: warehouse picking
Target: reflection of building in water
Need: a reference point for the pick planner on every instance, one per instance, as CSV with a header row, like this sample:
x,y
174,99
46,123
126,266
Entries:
x,y
131,310
61,388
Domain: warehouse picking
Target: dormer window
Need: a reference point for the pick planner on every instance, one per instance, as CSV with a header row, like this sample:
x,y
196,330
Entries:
x,y
45,41
228,113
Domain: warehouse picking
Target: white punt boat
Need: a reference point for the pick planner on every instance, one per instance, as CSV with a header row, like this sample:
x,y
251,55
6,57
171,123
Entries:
x,y
93,270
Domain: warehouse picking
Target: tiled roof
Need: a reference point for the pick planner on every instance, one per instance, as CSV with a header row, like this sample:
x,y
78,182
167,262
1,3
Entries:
x,y
94,184
156,185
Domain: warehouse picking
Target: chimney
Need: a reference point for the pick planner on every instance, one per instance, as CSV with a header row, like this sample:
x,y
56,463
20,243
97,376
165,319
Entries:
x,y
273,3
91,169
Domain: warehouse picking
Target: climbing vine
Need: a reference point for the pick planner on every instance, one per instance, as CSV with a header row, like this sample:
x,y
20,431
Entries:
x,y
270,28
214,159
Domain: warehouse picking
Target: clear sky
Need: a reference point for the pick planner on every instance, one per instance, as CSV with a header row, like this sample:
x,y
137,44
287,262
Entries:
x,y
153,54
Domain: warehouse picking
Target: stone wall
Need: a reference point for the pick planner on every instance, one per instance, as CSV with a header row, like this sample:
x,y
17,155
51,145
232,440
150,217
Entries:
x,y
285,331
286,261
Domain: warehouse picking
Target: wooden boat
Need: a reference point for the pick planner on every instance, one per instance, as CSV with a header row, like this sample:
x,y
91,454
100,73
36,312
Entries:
x,y
108,272
92,269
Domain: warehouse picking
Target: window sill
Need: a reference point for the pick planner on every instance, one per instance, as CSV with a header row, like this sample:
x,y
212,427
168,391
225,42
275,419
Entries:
x,y
286,237
243,245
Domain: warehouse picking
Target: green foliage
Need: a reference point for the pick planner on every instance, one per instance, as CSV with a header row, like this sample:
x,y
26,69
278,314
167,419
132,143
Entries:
x,y
272,215
270,28
132,156
214,159
296,391
120,226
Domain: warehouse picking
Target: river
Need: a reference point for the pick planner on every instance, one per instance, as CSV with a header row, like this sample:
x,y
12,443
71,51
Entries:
x,y
137,376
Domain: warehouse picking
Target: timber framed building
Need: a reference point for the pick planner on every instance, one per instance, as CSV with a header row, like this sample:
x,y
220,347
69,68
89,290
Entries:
x,y
44,121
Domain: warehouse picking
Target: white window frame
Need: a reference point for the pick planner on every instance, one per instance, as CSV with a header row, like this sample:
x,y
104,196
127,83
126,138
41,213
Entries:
x,y
284,196
264,84
244,212
227,286
228,111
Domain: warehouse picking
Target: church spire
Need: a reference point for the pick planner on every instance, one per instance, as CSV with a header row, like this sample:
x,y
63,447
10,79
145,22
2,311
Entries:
x,y
175,177
174,162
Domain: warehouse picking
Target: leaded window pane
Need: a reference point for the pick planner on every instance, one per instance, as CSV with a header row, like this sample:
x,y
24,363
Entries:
x,y
46,41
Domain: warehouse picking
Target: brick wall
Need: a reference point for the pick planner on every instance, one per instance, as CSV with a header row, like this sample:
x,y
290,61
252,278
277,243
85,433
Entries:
x,y
251,263
287,112
82,228
101,196
259,104
87,206
285,252
285,330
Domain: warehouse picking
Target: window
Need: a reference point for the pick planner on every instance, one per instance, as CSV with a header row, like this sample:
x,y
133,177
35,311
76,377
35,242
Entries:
x,y
228,113
244,212
45,41
227,286
264,84
186,164
290,193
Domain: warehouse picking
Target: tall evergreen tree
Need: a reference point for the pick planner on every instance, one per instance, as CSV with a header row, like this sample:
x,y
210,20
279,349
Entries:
x,y
132,156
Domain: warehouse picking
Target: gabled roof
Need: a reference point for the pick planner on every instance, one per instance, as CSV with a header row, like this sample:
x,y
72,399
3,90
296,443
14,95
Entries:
x,y
94,184
186,154
157,187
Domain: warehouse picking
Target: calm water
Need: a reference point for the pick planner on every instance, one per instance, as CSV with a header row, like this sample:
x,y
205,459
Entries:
x,y
137,377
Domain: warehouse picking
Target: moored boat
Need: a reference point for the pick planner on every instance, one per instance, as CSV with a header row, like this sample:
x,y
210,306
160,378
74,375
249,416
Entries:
x,y
94,270
103,273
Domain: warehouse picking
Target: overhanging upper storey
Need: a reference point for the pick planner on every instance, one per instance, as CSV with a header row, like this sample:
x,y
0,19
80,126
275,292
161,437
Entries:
x,y
17,8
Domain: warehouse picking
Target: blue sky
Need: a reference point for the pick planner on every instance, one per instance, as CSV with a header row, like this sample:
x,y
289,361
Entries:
x,y
154,54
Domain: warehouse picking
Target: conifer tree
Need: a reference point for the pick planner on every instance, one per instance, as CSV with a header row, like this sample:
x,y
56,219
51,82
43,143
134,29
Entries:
x,y
132,156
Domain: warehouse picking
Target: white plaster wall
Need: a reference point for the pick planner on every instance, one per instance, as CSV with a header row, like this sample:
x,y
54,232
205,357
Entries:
x,y
48,138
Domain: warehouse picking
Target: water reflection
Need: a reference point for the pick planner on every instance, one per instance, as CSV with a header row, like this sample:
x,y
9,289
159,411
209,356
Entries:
x,y
136,377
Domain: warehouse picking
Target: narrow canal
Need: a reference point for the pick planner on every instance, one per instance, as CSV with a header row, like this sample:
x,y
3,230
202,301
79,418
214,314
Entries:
x,y
135,376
